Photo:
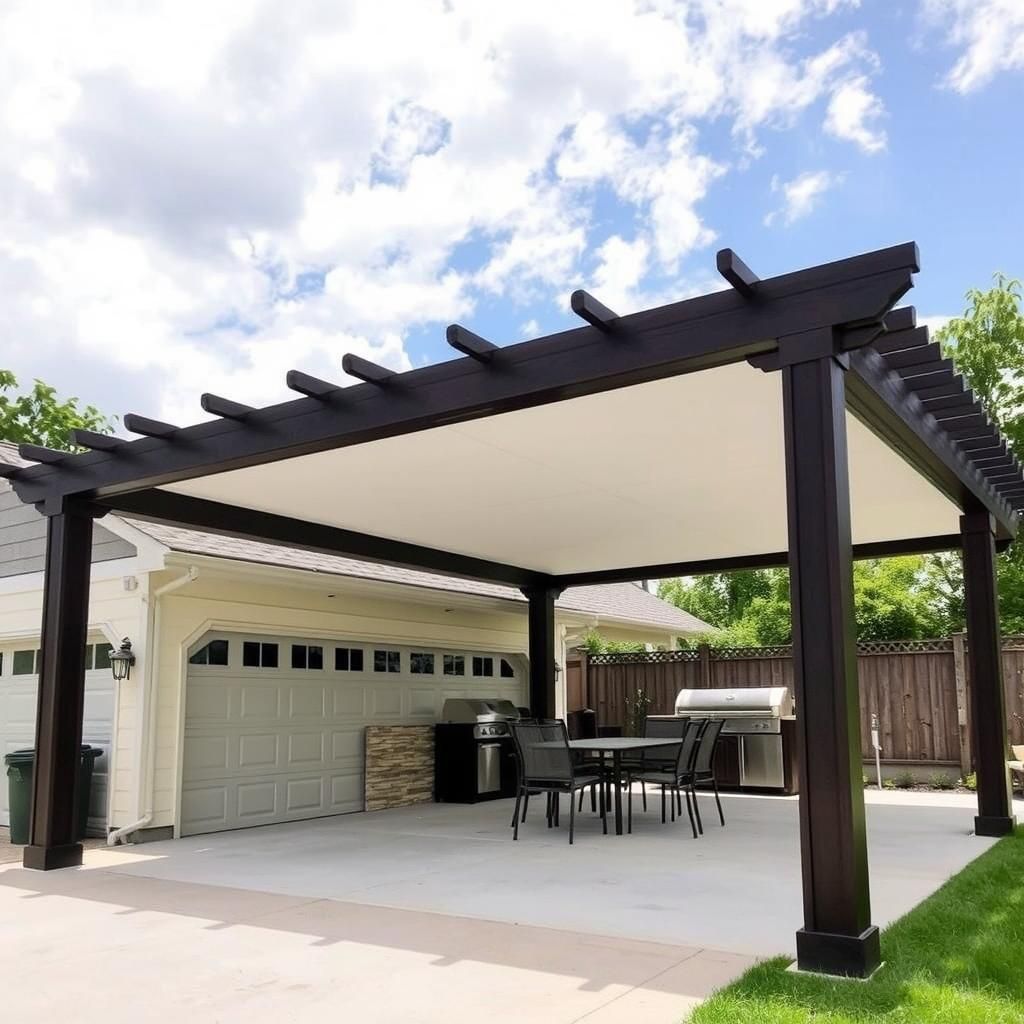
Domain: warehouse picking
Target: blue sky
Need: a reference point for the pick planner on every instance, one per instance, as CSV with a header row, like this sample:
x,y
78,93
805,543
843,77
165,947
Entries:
x,y
198,196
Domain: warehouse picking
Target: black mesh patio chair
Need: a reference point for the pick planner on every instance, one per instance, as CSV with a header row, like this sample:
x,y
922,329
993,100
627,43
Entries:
x,y
584,766
673,777
703,770
546,765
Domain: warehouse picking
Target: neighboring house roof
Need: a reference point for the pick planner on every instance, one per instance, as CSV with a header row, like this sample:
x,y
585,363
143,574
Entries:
x,y
622,602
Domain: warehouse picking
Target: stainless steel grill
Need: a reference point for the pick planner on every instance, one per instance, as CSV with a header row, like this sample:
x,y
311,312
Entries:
x,y
491,717
755,709
754,715
474,757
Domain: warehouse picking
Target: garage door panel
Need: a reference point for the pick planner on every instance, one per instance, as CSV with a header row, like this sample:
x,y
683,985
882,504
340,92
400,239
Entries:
x,y
423,702
349,701
259,702
282,743
347,744
207,753
304,795
206,808
257,799
306,702
209,703
386,702
304,748
259,751
347,791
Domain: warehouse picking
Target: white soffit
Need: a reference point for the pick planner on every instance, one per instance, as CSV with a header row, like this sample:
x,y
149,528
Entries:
x,y
684,469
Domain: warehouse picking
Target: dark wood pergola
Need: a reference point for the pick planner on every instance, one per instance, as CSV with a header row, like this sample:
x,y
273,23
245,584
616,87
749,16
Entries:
x,y
838,353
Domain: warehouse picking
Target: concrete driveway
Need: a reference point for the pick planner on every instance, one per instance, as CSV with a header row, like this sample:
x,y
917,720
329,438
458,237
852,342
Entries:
x,y
433,914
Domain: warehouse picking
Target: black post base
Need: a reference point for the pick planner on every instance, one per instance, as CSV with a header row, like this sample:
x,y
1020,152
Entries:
x,y
848,956
994,826
47,858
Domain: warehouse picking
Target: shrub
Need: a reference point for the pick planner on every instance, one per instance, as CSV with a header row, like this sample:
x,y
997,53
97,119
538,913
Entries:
x,y
904,780
970,782
940,780
888,784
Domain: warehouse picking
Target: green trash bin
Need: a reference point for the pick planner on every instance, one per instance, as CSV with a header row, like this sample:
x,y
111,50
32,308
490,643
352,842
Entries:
x,y
20,766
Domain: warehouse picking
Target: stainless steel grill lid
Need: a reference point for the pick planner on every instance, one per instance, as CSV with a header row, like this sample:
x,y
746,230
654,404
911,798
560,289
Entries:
x,y
762,700
478,711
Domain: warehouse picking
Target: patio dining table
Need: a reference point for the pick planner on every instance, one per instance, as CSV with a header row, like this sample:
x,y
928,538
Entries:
x,y
616,746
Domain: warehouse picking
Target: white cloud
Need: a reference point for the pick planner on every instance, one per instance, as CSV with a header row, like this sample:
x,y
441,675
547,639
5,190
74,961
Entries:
x,y
801,195
198,195
935,322
853,113
620,270
990,34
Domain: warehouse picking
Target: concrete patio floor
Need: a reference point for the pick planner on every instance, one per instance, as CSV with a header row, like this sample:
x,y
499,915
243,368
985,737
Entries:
x,y
433,914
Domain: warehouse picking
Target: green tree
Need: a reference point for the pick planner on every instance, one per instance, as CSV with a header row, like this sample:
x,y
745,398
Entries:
x,y
987,343
894,599
40,417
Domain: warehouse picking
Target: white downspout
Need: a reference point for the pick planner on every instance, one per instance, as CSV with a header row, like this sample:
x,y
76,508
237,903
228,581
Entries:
x,y
147,741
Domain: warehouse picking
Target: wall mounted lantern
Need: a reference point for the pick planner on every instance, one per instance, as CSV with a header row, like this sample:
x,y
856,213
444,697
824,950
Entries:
x,y
121,661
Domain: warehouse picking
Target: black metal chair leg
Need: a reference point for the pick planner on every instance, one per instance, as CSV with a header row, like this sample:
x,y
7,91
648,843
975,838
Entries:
x,y
515,816
526,803
572,815
689,811
581,798
696,809
604,814
643,793
679,803
663,805
672,803
593,799
721,816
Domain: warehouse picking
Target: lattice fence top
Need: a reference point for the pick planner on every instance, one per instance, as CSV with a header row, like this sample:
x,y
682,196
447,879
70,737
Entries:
x,y
643,657
867,647
905,647
750,653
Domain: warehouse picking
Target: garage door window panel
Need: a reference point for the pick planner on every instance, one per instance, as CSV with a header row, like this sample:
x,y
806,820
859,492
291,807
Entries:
x,y
348,659
259,655
24,663
213,653
421,664
387,661
307,656
454,665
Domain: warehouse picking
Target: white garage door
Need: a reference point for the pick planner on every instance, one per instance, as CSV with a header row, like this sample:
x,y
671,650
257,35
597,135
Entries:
x,y
18,688
274,726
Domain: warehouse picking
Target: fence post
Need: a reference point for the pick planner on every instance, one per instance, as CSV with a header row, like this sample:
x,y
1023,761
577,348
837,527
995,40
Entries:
x,y
960,675
585,680
704,650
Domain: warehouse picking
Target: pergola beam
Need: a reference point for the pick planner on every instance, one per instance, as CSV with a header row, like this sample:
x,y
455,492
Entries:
x,y
769,560
695,334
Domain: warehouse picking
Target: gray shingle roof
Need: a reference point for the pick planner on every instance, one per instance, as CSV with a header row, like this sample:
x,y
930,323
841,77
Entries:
x,y
622,602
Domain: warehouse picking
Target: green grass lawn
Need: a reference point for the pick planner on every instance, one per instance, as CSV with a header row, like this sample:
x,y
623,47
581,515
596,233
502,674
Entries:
x,y
958,958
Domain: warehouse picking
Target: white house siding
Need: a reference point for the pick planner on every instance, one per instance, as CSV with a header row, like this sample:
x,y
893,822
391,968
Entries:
x,y
114,612
258,600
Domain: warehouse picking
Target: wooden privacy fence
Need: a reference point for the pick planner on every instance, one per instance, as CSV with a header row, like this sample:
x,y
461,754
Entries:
x,y
917,688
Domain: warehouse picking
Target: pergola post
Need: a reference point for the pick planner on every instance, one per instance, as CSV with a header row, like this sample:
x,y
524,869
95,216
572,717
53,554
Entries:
x,y
541,649
984,657
837,937
53,842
